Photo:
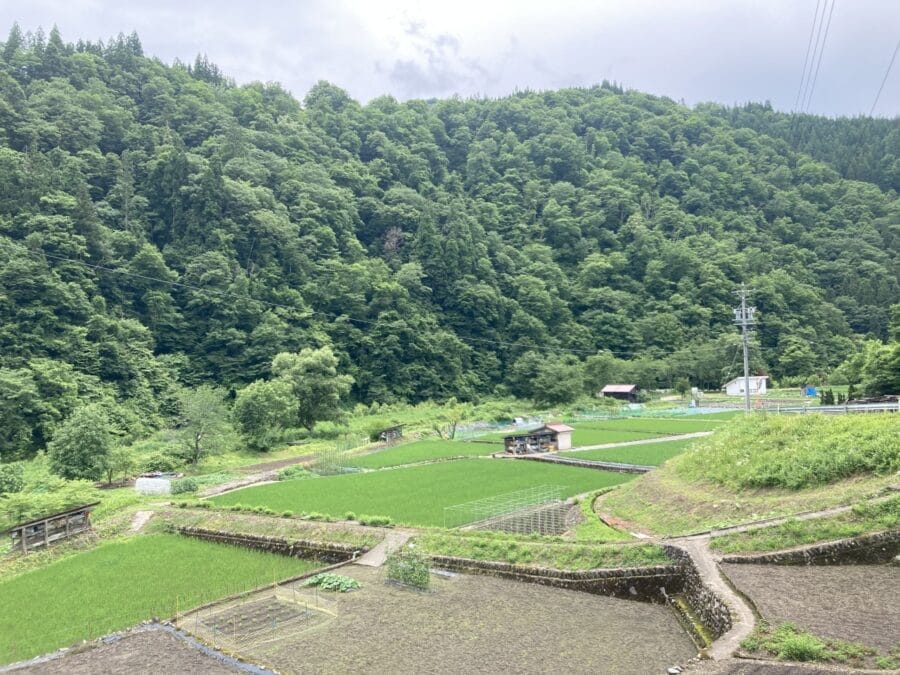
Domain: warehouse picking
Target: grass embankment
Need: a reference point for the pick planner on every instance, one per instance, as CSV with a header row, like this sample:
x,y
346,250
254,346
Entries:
x,y
417,495
650,454
122,583
865,518
762,466
538,551
787,642
290,529
423,451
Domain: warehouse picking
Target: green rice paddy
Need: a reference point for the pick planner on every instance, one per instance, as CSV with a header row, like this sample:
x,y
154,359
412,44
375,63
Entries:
x,y
417,495
122,583
423,451
651,454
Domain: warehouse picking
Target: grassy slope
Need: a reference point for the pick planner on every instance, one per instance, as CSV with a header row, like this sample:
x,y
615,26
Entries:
x,y
652,454
863,519
546,552
417,495
422,451
713,483
291,529
122,583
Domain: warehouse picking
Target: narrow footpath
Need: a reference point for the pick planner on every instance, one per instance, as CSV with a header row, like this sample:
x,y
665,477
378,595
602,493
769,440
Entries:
x,y
643,441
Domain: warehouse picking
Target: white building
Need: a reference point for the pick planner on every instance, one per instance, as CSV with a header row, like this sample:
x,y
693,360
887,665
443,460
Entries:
x,y
736,386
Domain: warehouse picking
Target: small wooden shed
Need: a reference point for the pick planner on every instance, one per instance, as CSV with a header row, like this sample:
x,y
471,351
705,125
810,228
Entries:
x,y
548,438
50,529
624,392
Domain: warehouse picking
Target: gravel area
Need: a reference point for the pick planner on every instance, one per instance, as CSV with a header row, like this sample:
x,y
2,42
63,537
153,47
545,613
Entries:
x,y
469,624
858,603
147,651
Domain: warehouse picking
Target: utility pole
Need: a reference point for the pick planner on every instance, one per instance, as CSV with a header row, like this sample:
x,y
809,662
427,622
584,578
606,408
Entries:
x,y
743,316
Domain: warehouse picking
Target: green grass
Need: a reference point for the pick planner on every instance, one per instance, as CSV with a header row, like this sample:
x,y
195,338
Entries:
x,y
762,466
121,583
539,552
795,451
789,643
417,495
422,451
863,519
591,528
653,426
258,525
652,454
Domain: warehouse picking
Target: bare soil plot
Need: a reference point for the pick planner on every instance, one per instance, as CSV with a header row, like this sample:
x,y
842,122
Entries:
x,y
151,651
467,624
857,603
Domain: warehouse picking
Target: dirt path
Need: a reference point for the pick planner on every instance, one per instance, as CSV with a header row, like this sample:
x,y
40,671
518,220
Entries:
x,y
643,441
377,556
140,519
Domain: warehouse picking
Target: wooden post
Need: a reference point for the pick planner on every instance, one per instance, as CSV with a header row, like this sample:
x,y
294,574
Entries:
x,y
24,540
47,533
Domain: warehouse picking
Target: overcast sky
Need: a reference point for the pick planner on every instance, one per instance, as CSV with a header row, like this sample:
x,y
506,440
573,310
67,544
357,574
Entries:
x,y
730,51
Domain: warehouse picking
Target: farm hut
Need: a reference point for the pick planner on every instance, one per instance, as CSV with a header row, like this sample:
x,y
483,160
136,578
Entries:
x,y
547,438
47,530
735,387
624,392
391,434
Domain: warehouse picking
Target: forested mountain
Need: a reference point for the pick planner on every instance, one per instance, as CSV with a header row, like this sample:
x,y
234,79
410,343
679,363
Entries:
x,y
160,226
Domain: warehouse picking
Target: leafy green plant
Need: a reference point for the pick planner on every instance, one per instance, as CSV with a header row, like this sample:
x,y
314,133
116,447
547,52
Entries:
x,y
328,581
182,485
375,521
410,567
295,472
162,462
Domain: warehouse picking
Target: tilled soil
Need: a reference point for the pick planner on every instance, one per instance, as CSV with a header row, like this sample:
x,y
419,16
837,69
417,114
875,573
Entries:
x,y
150,651
468,624
857,603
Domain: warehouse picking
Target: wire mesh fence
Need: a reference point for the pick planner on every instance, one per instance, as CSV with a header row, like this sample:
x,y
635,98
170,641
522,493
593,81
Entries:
x,y
539,509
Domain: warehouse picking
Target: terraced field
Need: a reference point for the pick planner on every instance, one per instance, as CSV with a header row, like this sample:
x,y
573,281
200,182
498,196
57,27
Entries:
x,y
417,495
651,454
423,451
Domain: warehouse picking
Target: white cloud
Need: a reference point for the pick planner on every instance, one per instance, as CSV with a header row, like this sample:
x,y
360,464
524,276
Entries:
x,y
698,50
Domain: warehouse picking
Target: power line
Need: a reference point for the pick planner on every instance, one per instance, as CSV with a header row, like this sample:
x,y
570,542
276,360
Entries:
x,y
812,30
815,79
744,317
329,315
883,81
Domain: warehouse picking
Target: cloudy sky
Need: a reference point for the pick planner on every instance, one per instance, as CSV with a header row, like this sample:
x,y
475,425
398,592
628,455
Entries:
x,y
730,51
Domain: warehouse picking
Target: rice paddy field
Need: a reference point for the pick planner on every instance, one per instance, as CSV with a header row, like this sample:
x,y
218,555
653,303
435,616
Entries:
x,y
423,451
651,454
417,495
121,583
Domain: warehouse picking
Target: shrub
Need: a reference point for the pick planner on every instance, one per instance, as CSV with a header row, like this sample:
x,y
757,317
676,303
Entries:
x,y
349,515
12,478
294,472
328,581
162,462
410,567
375,521
183,485
287,514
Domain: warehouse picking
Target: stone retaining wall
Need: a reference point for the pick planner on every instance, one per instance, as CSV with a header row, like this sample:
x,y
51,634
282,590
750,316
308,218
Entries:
x,y
654,583
876,548
710,609
296,548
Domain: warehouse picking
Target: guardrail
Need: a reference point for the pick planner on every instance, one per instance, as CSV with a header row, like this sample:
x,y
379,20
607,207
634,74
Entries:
x,y
840,409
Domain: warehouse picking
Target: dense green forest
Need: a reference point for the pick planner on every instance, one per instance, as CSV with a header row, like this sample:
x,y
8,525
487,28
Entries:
x,y
163,228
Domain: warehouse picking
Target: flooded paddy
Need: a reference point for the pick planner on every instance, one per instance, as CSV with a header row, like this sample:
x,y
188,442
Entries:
x,y
463,624
857,603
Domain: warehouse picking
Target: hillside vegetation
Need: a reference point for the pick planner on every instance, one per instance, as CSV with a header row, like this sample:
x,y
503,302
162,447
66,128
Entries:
x,y
164,228
785,451
762,466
